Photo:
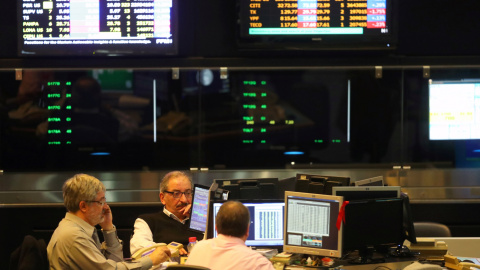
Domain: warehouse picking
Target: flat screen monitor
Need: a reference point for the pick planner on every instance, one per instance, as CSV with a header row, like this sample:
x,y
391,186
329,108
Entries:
x,y
367,192
266,223
454,109
317,25
320,184
374,181
97,28
310,224
250,189
373,226
199,212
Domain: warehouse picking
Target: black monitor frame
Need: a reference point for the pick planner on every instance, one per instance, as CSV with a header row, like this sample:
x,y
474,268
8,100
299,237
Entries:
x,y
320,184
373,225
250,188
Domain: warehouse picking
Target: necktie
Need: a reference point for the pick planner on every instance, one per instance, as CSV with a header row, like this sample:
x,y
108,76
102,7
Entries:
x,y
96,240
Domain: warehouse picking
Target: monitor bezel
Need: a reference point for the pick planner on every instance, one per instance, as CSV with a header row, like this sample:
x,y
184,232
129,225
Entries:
x,y
362,245
308,250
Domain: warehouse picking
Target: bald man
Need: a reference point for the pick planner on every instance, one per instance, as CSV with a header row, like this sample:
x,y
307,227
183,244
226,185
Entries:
x,y
228,251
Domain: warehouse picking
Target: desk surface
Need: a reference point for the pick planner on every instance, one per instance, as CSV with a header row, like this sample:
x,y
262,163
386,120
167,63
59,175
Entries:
x,y
377,266
461,246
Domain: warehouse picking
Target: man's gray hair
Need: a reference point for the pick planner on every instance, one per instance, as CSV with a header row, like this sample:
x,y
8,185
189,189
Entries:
x,y
81,187
171,175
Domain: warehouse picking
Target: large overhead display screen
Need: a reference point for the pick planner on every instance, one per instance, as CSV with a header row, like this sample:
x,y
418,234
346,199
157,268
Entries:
x,y
97,27
320,24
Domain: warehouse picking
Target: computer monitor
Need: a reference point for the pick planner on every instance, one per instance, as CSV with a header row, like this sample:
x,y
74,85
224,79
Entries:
x,y
320,184
366,192
374,181
317,25
310,224
199,212
371,227
266,222
453,109
250,188
97,28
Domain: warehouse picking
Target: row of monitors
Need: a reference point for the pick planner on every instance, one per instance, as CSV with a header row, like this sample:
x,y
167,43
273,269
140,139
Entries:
x,y
307,223
270,188
151,27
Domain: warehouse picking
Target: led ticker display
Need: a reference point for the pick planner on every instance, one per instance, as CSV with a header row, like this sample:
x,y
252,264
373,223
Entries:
x,y
56,99
342,23
97,27
269,120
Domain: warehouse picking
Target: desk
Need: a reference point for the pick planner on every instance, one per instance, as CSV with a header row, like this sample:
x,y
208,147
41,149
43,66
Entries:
x,y
457,246
395,264
461,246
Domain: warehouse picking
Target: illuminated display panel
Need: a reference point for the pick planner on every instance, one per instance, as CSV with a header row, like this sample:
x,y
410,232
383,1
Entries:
x,y
454,110
266,222
317,24
310,224
272,116
200,205
97,27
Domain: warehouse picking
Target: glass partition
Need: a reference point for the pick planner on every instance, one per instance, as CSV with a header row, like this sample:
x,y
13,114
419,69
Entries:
x,y
242,118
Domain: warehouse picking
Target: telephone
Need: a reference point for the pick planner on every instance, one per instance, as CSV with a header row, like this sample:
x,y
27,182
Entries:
x,y
173,246
451,262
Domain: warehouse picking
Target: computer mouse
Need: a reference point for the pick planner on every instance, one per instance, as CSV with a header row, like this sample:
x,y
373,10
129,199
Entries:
x,y
422,266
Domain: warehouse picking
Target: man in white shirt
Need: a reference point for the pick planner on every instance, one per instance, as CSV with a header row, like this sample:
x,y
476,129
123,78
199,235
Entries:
x,y
228,251
171,223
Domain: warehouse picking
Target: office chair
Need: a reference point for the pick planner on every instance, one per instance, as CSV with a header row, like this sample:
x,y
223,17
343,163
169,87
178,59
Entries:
x,y
30,255
431,229
186,267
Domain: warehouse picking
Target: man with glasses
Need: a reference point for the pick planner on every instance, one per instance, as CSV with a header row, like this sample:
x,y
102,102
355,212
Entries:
x,y
75,243
170,224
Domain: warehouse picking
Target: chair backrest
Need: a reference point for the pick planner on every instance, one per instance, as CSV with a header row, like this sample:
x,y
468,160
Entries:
x,y
431,229
30,255
186,267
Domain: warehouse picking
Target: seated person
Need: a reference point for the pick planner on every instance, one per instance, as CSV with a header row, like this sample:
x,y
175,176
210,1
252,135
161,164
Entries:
x,y
75,243
228,251
170,224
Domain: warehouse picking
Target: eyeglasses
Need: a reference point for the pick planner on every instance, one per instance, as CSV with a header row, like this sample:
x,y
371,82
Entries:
x,y
178,194
101,203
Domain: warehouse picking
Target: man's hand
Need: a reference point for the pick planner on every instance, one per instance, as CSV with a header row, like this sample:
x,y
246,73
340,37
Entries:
x,y
182,252
160,255
186,210
107,223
